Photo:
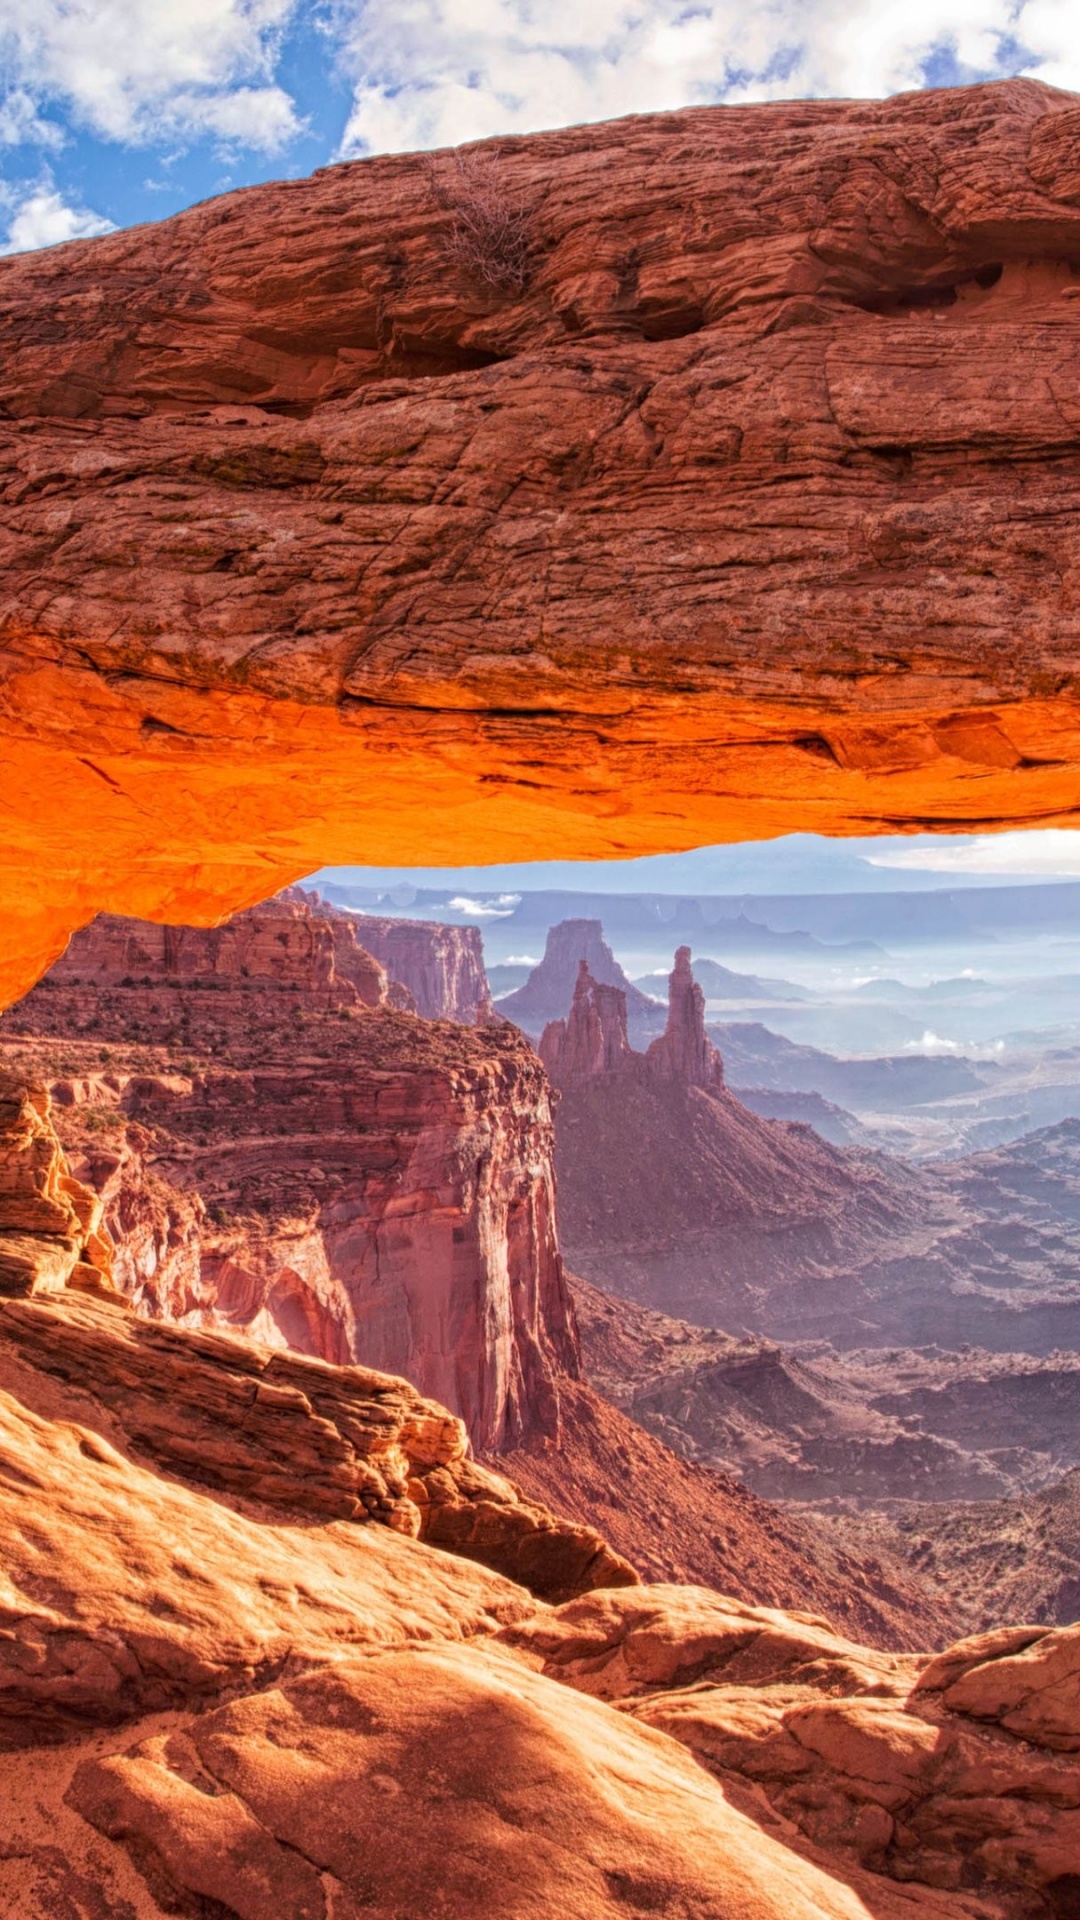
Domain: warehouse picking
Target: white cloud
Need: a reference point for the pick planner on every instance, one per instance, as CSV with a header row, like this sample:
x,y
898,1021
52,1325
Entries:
x,y
1050,853
435,72
135,70
21,123
44,219
498,909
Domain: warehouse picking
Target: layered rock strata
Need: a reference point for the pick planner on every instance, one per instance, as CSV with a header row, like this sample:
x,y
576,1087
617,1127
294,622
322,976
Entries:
x,y
274,1154
293,1435
772,440
441,966
194,1670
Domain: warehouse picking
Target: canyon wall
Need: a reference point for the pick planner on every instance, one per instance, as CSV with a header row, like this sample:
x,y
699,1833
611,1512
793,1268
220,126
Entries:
x,y
278,1156
747,506
442,967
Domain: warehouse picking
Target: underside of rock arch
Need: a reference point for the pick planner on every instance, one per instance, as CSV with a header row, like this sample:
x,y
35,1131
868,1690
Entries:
x,y
741,499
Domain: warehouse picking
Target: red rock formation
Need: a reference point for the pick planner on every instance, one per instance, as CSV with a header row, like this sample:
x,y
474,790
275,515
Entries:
x,y
684,1055
441,966
766,448
283,943
273,1155
50,1223
593,1039
571,945
673,1192
180,1666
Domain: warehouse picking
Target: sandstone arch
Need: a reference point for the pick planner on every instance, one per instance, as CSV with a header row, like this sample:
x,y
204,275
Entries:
x,y
755,509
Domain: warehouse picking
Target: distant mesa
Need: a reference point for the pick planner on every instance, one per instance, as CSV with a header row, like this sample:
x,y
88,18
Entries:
x,y
722,983
550,987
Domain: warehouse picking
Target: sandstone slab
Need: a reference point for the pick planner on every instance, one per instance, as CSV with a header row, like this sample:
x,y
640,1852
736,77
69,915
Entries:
x,y
752,508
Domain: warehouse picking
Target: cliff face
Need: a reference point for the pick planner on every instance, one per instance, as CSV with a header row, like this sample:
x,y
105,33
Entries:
x,y
284,944
275,1155
776,439
441,966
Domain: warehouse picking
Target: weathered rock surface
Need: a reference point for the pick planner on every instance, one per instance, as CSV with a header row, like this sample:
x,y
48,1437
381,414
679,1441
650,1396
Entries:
x,y
575,948
673,1193
959,1774
50,1223
442,967
775,448
285,943
550,1806
291,1433
276,1154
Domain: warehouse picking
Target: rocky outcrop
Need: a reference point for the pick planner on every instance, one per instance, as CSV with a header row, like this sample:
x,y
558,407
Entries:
x,y
286,517
294,1435
593,1039
958,1774
181,1663
274,1155
441,966
673,1193
574,945
50,1223
593,1042
287,943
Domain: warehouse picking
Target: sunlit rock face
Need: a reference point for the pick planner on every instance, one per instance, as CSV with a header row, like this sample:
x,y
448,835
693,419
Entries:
x,y
745,506
279,1151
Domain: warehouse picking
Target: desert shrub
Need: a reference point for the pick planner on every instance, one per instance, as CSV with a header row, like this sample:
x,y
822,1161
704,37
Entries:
x,y
491,231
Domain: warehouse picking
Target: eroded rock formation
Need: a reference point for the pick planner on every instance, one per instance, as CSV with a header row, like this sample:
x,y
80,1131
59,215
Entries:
x,y
672,1192
50,1223
442,967
276,1154
779,433
573,945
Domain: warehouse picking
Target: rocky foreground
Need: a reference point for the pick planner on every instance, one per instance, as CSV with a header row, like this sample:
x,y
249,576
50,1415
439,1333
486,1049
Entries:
x,y
259,1613
232,1671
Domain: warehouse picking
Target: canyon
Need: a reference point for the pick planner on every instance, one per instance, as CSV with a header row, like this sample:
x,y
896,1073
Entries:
x,y
231,1573
394,1207
279,1149
773,443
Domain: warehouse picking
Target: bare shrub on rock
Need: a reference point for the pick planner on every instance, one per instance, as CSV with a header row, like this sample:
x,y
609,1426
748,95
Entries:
x,y
491,233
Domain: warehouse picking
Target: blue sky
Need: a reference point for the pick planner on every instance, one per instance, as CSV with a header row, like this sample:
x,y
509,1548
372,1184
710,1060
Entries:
x,y
795,863
117,111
